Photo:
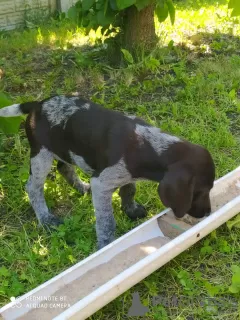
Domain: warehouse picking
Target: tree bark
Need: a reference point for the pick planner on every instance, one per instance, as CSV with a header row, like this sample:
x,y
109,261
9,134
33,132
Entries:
x,y
139,28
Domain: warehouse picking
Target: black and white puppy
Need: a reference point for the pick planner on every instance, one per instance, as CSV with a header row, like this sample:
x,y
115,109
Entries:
x,y
115,150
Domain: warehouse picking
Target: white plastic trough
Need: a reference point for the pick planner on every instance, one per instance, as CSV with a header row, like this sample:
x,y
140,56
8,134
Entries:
x,y
92,283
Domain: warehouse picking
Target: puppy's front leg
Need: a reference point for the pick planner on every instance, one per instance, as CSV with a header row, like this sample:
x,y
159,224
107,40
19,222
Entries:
x,y
132,209
102,202
103,187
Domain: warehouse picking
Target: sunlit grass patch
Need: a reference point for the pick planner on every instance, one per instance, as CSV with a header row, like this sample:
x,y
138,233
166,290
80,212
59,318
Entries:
x,y
194,18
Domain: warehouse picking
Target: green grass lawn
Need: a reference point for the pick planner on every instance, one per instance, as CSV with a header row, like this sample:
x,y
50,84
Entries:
x,y
190,87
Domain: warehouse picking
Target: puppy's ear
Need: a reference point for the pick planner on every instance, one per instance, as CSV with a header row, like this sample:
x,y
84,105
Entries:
x,y
176,189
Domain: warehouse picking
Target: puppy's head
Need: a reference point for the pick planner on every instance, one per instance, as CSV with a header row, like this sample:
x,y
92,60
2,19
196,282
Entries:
x,y
186,185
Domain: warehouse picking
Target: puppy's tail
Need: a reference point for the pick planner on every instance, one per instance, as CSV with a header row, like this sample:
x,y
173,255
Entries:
x,y
16,110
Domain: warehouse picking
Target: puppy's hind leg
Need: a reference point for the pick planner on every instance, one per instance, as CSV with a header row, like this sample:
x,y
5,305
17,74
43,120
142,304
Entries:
x,y
132,209
40,167
70,175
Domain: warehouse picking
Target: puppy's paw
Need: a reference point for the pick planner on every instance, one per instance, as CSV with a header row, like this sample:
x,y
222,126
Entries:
x,y
103,243
86,188
83,188
135,211
50,221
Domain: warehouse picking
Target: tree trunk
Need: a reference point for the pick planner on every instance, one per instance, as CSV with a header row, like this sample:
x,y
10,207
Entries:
x,y
139,28
137,32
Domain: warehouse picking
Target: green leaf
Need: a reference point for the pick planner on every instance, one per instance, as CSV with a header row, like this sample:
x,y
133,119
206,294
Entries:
x,y
170,44
206,250
113,5
72,259
231,4
4,272
162,11
198,274
234,289
235,5
16,287
105,6
123,4
73,13
212,290
161,3
235,12
87,4
4,100
235,268
234,222
141,4
152,63
235,286
171,10
127,56
236,279
100,5
103,19
8,125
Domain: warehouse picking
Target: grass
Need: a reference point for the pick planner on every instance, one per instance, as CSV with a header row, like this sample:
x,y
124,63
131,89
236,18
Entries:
x,y
190,88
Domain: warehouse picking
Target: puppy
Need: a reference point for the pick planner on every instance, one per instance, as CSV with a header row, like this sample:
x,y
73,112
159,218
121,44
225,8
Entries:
x,y
116,150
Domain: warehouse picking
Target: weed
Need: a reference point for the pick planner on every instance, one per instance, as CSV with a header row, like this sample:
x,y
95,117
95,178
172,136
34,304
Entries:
x,y
235,286
37,16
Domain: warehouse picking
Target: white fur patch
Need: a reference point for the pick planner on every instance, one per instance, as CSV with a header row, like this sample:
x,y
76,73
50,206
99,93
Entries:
x,y
86,106
80,162
114,176
131,117
11,111
159,141
59,109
